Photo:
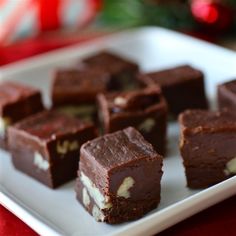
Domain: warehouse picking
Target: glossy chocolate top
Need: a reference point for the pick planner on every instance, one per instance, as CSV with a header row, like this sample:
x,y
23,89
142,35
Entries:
x,y
110,62
119,148
174,75
203,119
49,125
11,92
81,79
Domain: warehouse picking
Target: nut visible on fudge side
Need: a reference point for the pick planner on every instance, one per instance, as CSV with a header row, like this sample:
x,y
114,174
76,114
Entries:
x,y
144,109
14,95
102,201
40,162
4,123
231,167
45,146
67,146
122,209
123,190
207,145
120,101
147,125
97,214
139,99
86,198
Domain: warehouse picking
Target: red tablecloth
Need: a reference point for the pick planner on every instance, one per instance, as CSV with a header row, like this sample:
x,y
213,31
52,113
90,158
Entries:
x,y
217,220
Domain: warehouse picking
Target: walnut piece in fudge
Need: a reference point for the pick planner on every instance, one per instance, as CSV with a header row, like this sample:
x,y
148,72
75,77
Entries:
x,y
144,109
208,146
183,87
227,96
119,177
17,101
123,71
46,146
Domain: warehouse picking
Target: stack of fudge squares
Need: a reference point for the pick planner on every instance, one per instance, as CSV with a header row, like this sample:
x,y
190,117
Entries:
x,y
107,127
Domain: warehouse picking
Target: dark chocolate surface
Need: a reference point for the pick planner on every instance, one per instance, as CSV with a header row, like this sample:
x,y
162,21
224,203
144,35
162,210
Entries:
x,y
175,75
49,125
13,96
108,161
183,87
126,145
207,145
57,173
227,96
52,139
144,109
207,119
231,86
110,62
11,92
17,101
133,100
80,79
78,85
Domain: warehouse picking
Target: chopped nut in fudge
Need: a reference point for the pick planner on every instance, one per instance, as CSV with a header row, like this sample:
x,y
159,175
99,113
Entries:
x,y
119,176
46,146
145,109
74,91
208,146
17,101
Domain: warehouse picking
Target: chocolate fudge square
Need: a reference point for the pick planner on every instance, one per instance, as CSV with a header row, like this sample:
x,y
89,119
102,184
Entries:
x,y
74,90
119,177
123,71
208,146
183,87
78,85
46,146
144,109
227,96
17,101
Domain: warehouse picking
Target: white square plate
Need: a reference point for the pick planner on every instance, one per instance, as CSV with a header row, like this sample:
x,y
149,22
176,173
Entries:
x,y
56,212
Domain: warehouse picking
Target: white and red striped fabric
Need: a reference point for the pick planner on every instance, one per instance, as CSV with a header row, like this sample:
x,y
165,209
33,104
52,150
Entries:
x,y
20,18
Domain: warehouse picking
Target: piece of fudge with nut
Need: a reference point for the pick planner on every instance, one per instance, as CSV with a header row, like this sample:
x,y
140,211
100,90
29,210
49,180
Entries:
x,y
46,146
182,86
122,70
145,109
119,177
74,90
227,96
208,146
17,101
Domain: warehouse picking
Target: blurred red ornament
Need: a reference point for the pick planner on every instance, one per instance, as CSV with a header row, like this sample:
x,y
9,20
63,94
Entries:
x,y
214,15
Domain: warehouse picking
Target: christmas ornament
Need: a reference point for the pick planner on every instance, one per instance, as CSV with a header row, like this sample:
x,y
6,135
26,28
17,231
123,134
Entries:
x,y
213,15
